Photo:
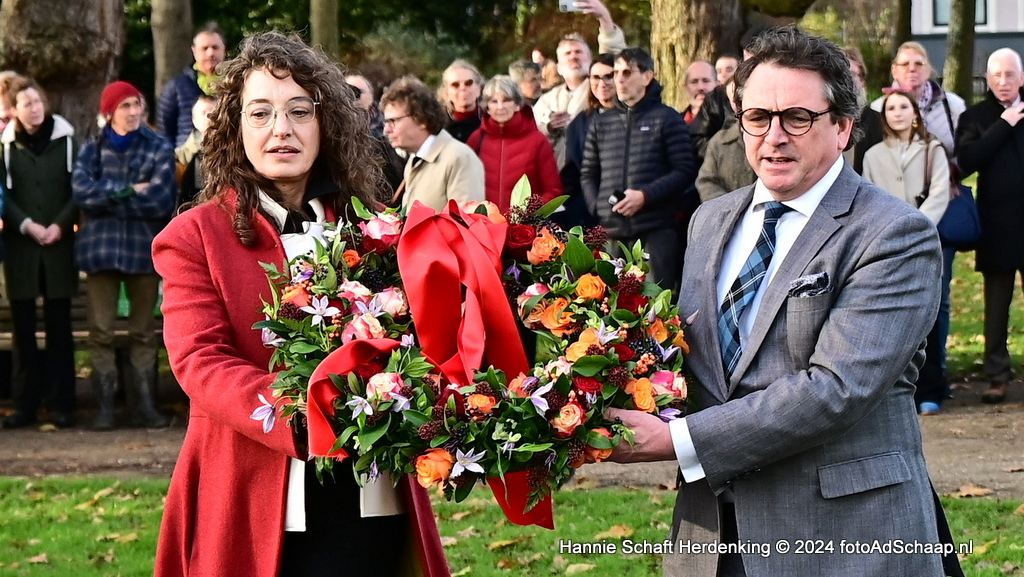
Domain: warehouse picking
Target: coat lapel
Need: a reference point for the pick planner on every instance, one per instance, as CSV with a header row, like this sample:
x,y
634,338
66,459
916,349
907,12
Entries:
x,y
721,227
819,229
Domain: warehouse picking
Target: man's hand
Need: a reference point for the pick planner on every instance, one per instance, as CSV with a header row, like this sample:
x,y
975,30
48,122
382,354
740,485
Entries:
x,y
140,187
633,200
558,120
653,439
53,235
1013,114
599,10
36,232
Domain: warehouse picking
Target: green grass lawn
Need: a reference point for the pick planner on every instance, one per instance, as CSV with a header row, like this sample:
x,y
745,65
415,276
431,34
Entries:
x,y
94,527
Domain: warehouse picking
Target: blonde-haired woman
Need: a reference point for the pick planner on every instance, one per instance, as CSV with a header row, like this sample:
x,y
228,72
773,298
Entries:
x,y
461,84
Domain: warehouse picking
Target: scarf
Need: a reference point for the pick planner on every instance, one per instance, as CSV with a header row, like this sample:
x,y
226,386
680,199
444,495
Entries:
x,y
37,142
117,142
207,82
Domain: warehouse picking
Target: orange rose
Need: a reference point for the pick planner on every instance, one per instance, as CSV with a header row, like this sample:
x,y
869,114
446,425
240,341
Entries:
x,y
595,455
532,320
569,418
517,387
643,394
554,318
579,349
351,258
658,331
493,212
296,294
590,287
433,467
545,248
680,341
480,404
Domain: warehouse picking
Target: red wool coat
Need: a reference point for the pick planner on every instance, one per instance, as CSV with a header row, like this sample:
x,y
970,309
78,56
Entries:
x,y
225,509
511,150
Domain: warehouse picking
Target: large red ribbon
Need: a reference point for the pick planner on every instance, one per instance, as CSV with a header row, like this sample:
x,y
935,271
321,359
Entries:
x,y
513,495
323,393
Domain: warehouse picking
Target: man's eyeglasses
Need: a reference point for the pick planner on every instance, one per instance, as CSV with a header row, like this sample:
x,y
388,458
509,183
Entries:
x,y
602,77
392,121
298,110
795,121
463,84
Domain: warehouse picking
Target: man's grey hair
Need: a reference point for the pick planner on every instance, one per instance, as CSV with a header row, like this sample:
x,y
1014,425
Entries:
x,y
788,47
1003,53
518,69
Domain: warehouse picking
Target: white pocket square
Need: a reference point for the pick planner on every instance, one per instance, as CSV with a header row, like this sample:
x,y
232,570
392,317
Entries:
x,y
810,285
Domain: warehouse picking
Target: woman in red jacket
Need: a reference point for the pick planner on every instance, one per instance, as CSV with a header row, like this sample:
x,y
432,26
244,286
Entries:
x,y
510,145
285,152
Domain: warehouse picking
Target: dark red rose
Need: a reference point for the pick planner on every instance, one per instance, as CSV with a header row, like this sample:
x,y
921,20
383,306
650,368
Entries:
x,y
520,240
367,370
586,384
625,353
631,302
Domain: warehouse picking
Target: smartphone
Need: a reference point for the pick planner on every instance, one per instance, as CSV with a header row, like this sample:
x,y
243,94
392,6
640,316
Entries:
x,y
613,199
568,6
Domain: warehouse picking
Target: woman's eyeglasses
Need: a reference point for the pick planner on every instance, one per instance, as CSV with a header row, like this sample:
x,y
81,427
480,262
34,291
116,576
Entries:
x,y
298,111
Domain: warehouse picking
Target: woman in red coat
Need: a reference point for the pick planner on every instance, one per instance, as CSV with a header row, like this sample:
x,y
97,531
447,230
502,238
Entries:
x,y
286,150
510,145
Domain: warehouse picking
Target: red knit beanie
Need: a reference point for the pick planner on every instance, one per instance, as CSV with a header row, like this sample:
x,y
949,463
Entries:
x,y
114,93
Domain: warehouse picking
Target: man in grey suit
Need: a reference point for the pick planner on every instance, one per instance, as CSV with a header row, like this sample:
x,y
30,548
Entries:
x,y
810,295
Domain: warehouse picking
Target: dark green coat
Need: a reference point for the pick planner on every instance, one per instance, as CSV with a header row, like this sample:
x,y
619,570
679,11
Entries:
x,y
39,187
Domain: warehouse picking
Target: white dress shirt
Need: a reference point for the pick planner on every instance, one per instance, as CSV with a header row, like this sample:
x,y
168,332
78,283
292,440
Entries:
x,y
740,245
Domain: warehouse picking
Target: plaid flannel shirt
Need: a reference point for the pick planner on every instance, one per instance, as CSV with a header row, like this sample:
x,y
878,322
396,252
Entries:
x,y
117,223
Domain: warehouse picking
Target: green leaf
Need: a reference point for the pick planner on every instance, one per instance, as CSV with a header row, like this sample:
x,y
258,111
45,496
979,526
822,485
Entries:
x,y
415,418
591,365
598,441
345,435
623,317
463,491
368,438
360,209
521,193
533,448
302,348
606,270
330,281
551,206
578,256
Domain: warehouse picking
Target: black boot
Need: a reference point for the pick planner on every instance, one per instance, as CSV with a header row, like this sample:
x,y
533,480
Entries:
x,y
104,387
145,413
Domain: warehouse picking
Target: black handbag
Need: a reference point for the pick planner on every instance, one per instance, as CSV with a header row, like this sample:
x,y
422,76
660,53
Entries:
x,y
960,226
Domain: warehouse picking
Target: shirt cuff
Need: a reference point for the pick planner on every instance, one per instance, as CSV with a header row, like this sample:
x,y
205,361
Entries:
x,y
686,453
23,227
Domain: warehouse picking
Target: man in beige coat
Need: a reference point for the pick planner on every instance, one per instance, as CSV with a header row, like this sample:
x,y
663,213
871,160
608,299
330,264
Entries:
x,y
439,168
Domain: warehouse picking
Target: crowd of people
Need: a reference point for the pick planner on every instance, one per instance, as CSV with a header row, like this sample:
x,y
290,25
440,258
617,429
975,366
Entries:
x,y
250,156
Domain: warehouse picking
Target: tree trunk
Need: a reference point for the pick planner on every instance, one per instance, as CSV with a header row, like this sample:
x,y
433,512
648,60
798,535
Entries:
x,y
70,47
903,31
323,24
686,30
956,75
171,22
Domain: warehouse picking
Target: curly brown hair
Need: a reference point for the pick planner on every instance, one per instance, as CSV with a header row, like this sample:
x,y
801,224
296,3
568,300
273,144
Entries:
x,y
419,102
347,157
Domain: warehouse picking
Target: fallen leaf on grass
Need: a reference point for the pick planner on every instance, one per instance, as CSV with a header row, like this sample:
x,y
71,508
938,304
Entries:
x,y
449,541
119,538
34,542
48,428
1009,568
102,493
519,562
579,568
970,490
615,532
506,543
461,515
983,548
1015,470
102,558
1019,511
462,572
40,559
468,532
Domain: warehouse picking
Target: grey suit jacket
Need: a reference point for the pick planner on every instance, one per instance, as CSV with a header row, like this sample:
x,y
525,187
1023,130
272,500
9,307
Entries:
x,y
816,432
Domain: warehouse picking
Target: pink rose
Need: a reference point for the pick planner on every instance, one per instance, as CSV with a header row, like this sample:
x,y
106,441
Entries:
x,y
668,383
382,385
354,291
536,289
364,326
392,301
381,231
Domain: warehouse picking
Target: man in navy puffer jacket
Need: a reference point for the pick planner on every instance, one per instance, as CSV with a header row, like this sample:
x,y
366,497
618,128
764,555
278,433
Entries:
x,y
174,113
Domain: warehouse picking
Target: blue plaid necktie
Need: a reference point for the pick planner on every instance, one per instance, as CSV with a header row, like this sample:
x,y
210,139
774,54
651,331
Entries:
x,y
743,289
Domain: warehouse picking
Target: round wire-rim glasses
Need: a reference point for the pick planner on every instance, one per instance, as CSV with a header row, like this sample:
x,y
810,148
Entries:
x,y
300,110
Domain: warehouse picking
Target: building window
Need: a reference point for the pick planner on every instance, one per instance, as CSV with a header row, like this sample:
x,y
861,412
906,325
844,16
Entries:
x,y
940,12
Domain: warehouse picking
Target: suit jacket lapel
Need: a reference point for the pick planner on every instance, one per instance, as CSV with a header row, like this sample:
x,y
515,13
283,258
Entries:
x,y
819,228
706,323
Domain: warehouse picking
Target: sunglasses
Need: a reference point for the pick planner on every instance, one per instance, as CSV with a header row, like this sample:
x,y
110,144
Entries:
x,y
602,77
463,84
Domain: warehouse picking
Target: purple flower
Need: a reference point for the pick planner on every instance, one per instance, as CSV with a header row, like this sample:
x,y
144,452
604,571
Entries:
x,y
606,334
320,308
467,462
271,339
513,271
401,403
374,472
408,341
305,273
669,414
667,352
538,400
550,460
265,413
359,405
